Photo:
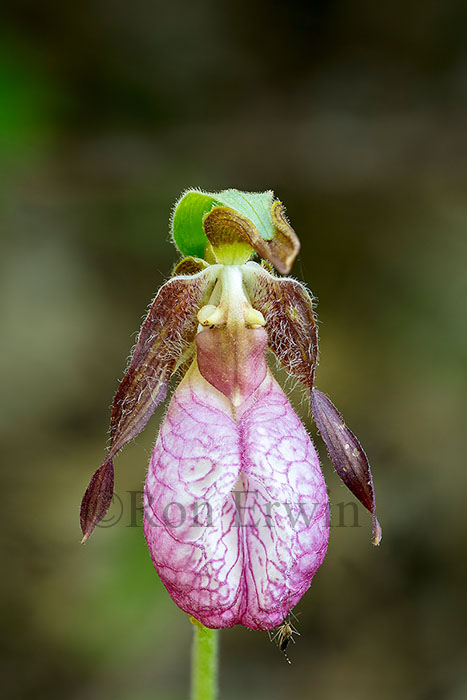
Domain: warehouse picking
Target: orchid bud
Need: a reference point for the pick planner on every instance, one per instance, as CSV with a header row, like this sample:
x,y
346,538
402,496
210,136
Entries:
x,y
236,513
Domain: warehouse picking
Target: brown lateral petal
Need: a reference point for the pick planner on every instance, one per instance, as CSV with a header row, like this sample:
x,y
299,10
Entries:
x,y
347,455
288,311
169,328
224,225
97,498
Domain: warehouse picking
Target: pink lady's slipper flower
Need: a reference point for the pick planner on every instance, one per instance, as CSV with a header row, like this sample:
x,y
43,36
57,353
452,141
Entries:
x,y
235,504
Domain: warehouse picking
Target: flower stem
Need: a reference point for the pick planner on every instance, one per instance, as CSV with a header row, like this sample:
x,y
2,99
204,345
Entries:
x,y
204,663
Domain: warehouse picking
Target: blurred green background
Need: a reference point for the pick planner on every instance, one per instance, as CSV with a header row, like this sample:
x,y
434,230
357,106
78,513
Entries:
x,y
354,113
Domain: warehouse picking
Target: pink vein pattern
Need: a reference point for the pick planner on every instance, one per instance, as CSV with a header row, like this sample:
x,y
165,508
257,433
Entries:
x,y
236,508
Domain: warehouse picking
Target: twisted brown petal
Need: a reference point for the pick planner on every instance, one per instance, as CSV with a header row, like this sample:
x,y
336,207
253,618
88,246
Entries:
x,y
288,311
168,329
97,498
347,455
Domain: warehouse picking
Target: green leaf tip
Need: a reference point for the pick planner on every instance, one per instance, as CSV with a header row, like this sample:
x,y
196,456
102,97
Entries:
x,y
228,226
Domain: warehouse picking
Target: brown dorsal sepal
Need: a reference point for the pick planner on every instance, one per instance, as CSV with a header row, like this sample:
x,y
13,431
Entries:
x,y
226,227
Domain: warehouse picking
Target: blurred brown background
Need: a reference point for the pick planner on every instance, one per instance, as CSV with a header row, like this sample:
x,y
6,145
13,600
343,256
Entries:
x,y
354,113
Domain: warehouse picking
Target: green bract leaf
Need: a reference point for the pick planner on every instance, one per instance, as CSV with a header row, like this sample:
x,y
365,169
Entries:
x,y
187,220
256,206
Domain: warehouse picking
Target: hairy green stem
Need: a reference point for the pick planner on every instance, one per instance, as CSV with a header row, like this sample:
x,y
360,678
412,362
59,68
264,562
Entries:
x,y
204,663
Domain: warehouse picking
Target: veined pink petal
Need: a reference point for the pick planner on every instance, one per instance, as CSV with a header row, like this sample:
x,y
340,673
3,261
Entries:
x,y
236,509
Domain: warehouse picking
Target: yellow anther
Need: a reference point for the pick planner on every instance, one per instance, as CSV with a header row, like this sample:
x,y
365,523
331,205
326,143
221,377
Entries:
x,y
211,315
234,308
253,318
